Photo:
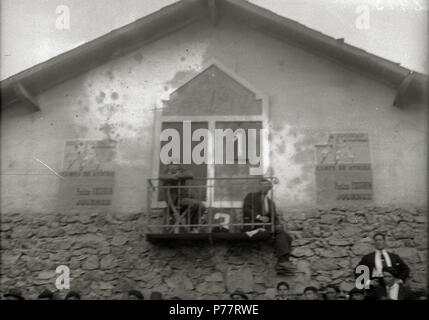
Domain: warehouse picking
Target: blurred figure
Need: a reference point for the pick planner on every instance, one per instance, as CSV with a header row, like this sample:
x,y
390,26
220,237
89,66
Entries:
x,y
156,295
258,207
135,295
180,199
56,295
13,294
311,293
282,291
46,295
238,295
392,289
421,295
332,292
357,294
72,295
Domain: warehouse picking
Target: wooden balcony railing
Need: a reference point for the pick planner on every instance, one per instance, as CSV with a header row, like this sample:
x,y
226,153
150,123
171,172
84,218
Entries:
x,y
215,212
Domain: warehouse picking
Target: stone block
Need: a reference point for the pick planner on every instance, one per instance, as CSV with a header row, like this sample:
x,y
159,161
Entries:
x,y
210,288
362,248
408,254
119,240
324,265
90,263
302,252
239,279
108,262
330,219
339,252
340,242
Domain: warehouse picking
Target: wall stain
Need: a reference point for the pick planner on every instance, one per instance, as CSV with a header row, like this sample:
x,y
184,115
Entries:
x,y
107,129
138,57
100,97
114,95
179,77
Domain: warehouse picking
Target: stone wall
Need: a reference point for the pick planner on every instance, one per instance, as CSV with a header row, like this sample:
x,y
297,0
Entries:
x,y
107,254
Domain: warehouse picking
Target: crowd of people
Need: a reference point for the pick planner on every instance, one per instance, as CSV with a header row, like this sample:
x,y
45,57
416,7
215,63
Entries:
x,y
16,294
283,292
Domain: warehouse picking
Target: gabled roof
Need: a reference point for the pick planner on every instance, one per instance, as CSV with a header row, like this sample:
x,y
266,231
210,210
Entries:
x,y
33,81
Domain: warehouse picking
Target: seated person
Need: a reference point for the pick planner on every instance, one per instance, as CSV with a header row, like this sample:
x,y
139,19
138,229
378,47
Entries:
x,y
135,295
49,295
181,199
282,291
311,293
13,294
72,295
332,292
238,295
392,288
357,294
380,258
259,208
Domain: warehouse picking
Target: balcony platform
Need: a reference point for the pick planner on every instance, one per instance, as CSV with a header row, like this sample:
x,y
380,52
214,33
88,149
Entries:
x,y
214,236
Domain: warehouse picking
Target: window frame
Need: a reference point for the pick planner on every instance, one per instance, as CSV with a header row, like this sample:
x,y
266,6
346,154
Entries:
x,y
211,121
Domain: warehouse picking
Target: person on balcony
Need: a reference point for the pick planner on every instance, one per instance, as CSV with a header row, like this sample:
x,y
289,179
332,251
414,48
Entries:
x,y
259,208
180,200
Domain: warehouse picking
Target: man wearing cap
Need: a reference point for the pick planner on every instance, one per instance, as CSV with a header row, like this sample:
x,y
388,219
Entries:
x,y
180,199
259,208
381,258
13,294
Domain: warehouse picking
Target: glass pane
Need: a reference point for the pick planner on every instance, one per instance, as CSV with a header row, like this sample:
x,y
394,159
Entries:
x,y
242,183
199,171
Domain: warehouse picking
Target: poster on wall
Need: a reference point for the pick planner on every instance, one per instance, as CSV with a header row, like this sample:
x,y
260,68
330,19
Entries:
x,y
343,170
88,175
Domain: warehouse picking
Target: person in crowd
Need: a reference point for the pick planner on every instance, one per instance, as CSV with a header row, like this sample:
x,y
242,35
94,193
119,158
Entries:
x,y
238,295
72,295
357,294
332,292
46,295
392,288
155,295
13,294
282,291
259,208
421,295
180,200
135,295
311,293
56,295
379,259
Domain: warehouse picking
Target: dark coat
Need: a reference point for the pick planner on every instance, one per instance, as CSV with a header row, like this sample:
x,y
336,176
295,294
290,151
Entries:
x,y
380,293
253,205
400,266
